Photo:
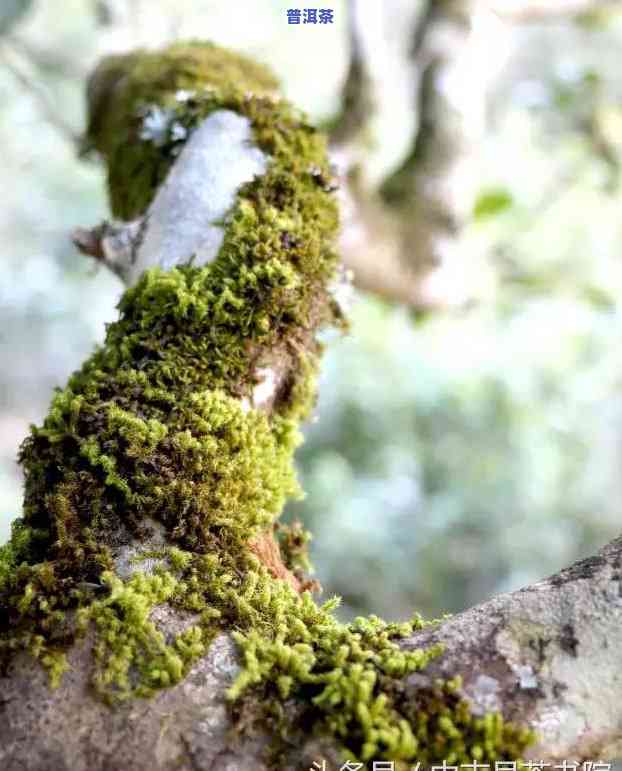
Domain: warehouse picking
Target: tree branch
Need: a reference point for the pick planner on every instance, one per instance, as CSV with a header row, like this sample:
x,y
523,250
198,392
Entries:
x,y
410,229
549,654
555,10
49,112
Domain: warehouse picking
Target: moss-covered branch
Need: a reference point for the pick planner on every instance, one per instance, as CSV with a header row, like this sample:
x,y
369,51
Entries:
x,y
154,485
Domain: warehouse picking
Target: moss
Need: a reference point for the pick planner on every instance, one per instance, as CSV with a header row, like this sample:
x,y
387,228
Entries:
x,y
294,543
338,668
122,91
134,656
348,681
22,542
155,435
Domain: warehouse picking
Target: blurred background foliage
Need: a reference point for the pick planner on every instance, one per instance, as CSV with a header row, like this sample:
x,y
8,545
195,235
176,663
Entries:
x,y
456,453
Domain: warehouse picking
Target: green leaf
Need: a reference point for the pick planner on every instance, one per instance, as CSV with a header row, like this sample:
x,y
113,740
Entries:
x,y
598,298
492,202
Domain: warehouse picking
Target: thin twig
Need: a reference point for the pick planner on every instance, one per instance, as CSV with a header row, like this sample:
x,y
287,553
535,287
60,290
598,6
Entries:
x,y
536,12
42,59
51,115
358,99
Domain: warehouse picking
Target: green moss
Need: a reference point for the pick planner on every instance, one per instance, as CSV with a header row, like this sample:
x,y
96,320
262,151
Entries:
x,y
22,542
338,668
348,681
133,655
294,543
123,89
155,436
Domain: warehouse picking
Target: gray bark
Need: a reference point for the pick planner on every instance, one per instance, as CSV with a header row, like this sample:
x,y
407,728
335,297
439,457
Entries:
x,y
549,655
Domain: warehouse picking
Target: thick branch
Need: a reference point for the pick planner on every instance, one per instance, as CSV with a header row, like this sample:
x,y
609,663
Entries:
x,y
549,654
402,235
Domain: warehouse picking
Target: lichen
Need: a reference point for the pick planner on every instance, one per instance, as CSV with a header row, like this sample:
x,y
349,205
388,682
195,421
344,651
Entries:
x,y
157,427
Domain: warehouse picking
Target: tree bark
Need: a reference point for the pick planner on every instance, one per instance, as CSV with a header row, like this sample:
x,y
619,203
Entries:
x,y
549,655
